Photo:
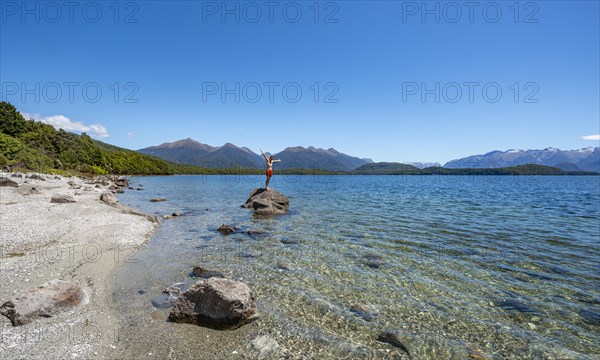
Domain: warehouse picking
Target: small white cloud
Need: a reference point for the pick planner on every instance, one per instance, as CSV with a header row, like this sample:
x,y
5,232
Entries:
x,y
591,137
62,122
130,135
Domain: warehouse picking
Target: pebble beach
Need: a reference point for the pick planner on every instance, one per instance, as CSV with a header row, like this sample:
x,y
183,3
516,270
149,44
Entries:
x,y
83,242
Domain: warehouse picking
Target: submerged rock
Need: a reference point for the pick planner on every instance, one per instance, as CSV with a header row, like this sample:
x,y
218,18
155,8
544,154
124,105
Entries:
x,y
283,266
47,300
62,199
169,295
267,202
288,241
372,261
518,309
156,199
200,272
590,316
216,303
226,229
394,338
422,346
543,351
256,233
6,182
363,311
266,346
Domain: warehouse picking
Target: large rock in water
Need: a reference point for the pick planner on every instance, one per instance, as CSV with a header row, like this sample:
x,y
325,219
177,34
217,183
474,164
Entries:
x,y
46,300
267,202
122,182
216,303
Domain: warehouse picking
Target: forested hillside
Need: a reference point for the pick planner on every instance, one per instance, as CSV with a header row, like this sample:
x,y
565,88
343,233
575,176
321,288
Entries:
x,y
32,145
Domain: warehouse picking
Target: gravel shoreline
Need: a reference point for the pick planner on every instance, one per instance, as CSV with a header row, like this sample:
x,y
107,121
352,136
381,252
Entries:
x,y
83,242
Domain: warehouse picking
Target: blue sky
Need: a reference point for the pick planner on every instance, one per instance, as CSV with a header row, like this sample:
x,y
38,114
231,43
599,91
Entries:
x,y
397,82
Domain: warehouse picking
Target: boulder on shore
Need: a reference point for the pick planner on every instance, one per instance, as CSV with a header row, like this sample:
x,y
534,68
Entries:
x,y
109,198
267,202
62,199
47,300
36,177
6,182
215,303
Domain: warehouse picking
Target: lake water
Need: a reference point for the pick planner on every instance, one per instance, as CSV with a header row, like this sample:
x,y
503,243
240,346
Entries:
x,y
496,266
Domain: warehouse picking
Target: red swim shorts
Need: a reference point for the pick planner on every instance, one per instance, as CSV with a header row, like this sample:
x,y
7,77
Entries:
x,y
269,172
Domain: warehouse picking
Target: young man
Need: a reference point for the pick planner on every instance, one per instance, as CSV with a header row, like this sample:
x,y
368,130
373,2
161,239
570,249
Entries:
x,y
270,160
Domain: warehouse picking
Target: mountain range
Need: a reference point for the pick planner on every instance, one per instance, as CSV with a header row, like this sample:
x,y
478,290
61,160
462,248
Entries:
x,y
189,151
586,159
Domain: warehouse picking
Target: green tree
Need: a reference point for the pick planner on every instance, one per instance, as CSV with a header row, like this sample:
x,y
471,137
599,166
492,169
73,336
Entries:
x,y
9,146
11,121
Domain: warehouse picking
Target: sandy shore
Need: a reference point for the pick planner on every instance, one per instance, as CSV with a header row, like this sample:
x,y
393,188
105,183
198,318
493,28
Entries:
x,y
83,242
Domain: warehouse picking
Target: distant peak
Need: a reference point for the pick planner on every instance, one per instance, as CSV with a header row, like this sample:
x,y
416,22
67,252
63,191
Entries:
x,y
185,141
587,149
295,148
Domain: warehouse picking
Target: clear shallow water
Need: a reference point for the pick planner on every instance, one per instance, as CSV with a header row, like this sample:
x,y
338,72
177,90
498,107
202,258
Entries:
x,y
505,267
